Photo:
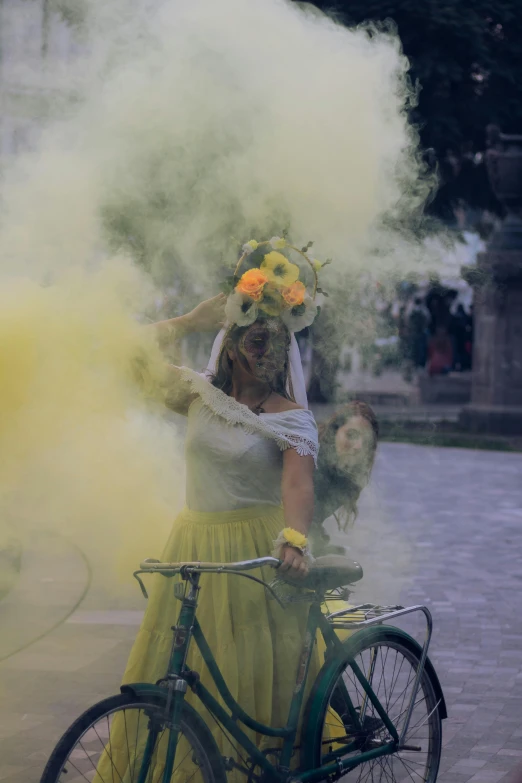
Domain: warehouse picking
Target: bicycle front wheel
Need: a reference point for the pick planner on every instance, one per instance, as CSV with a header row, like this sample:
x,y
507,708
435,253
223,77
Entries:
x,y
341,715
124,738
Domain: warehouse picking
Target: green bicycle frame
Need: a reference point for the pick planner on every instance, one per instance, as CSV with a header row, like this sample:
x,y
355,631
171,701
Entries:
x,y
178,679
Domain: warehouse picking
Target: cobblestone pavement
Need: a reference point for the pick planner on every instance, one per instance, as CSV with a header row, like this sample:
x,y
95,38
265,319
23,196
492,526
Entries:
x,y
439,526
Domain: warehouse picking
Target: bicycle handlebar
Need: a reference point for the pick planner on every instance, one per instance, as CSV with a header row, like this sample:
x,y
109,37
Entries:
x,y
153,566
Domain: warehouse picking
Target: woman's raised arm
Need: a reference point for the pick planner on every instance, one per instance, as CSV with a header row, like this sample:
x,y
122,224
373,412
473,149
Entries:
x,y
207,316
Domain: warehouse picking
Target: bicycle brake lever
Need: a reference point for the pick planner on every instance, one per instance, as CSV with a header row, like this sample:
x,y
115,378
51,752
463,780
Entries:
x,y
140,582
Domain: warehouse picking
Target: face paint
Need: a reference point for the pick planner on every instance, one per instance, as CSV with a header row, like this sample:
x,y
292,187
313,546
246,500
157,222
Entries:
x,y
354,444
263,346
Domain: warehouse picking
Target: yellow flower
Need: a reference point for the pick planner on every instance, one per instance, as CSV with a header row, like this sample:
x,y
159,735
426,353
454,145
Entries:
x,y
316,264
252,283
279,270
294,537
272,302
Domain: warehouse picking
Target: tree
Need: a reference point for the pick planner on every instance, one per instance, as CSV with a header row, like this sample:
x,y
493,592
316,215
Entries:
x,y
466,57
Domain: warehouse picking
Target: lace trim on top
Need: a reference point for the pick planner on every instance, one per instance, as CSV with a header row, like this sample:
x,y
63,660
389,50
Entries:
x,y
236,413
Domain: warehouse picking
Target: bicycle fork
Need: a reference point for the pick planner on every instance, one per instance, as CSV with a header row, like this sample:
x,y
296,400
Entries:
x,y
176,685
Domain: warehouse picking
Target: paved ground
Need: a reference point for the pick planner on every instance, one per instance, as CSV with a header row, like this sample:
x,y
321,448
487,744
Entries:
x,y
440,526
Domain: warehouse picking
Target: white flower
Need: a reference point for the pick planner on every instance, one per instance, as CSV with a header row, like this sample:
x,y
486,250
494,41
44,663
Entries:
x,y
250,246
300,317
277,243
240,309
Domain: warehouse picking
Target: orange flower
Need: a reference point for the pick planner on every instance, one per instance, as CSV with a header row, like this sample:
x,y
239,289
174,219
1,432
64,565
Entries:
x,y
294,294
252,284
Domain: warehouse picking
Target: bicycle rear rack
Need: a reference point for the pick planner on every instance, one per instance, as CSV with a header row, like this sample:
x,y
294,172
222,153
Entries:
x,y
376,615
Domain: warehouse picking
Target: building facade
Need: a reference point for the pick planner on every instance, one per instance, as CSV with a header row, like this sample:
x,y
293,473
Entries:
x,y
38,46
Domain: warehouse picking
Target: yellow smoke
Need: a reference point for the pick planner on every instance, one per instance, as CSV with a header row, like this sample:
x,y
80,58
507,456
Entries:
x,y
186,125
84,450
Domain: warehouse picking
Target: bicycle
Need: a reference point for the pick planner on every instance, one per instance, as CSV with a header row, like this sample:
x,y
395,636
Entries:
x,y
375,709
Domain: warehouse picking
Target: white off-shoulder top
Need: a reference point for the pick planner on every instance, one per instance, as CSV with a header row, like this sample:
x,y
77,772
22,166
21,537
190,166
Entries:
x,y
234,457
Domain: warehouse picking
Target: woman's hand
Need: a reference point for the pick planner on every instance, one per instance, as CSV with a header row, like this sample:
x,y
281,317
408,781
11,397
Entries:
x,y
293,563
208,315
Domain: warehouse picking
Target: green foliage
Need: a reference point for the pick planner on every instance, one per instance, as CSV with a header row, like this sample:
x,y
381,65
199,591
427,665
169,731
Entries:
x,y
228,284
466,57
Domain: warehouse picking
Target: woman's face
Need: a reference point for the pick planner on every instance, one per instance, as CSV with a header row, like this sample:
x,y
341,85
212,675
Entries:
x,y
354,444
263,348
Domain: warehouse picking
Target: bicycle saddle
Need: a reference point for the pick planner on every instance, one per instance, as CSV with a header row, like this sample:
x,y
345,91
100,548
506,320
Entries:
x,y
329,572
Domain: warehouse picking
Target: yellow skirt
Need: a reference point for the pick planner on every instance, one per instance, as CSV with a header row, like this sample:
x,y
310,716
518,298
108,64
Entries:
x,y
255,642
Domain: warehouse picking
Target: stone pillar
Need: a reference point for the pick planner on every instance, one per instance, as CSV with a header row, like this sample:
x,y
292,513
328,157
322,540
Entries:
x,y
496,394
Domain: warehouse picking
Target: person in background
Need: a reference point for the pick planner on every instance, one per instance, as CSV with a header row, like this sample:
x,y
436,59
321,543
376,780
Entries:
x,y
440,352
347,447
418,331
461,333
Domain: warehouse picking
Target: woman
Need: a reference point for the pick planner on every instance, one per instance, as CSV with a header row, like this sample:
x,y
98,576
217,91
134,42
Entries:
x,y
250,453
348,443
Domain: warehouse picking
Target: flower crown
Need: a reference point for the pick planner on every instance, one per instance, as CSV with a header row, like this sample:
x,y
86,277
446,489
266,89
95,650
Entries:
x,y
271,288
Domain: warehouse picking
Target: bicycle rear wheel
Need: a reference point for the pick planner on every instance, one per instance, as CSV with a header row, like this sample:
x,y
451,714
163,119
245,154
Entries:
x,y
111,742
390,663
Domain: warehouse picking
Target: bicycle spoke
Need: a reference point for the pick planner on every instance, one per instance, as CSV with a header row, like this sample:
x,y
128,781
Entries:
x,y
183,759
225,734
136,744
365,778
396,718
392,684
72,764
388,764
384,684
127,738
391,671
406,767
382,675
403,693
190,778
411,761
412,732
128,741
360,775
110,759
373,767
87,756
397,675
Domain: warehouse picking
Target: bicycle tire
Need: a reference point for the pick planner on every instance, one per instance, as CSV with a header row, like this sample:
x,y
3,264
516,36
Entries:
x,y
205,753
319,710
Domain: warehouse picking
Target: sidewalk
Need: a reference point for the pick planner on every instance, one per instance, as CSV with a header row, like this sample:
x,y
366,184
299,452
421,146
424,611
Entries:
x,y
455,551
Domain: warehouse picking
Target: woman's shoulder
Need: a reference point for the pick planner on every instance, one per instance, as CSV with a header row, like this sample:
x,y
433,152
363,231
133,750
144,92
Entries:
x,y
288,416
279,404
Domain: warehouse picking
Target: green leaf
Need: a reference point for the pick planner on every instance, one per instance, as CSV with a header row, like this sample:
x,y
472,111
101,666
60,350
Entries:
x,y
228,284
